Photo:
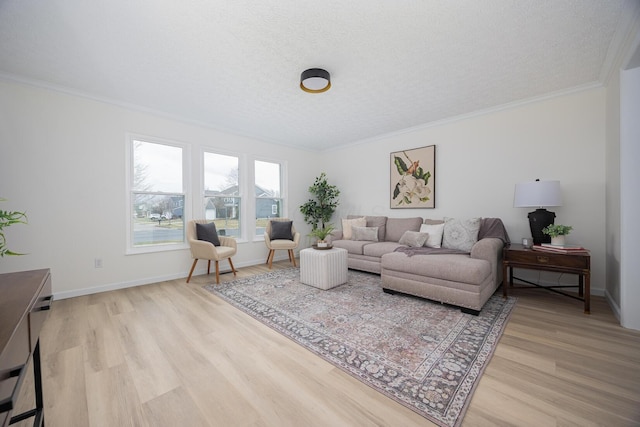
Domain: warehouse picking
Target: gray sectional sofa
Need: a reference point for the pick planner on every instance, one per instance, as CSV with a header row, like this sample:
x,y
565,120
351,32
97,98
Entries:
x,y
460,277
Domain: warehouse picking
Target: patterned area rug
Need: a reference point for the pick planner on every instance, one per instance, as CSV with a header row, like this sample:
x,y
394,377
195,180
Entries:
x,y
425,355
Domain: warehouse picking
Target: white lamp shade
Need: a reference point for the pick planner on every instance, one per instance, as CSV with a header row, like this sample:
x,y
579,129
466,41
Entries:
x,y
537,194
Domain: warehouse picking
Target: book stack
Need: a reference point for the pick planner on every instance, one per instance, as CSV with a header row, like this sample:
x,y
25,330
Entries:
x,y
560,249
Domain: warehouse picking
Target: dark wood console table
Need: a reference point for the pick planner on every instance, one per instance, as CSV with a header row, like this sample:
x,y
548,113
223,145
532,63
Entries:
x,y
516,256
25,299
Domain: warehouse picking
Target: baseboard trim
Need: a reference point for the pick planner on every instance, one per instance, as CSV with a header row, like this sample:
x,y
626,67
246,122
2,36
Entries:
x,y
149,280
614,307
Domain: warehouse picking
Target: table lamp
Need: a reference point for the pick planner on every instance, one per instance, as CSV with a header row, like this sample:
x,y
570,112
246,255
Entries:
x,y
538,194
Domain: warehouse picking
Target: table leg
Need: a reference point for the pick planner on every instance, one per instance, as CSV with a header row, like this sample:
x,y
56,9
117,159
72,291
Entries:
x,y
587,293
505,268
580,285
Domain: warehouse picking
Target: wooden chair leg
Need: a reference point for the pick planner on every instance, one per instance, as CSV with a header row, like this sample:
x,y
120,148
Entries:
x,y
271,253
217,272
292,256
232,267
209,267
193,266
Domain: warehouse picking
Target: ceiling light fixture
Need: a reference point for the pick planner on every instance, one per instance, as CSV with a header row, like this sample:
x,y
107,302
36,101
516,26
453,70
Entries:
x,y
315,80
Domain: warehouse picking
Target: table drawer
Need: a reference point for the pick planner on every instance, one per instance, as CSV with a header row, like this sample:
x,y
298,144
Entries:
x,y
541,259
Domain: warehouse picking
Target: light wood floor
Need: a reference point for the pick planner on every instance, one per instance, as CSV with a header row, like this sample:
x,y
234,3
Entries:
x,y
172,354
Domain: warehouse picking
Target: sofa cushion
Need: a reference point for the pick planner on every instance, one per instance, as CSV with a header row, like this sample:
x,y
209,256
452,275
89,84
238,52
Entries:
x,y
374,221
350,222
397,226
352,246
460,234
378,249
435,234
455,268
415,239
369,234
429,221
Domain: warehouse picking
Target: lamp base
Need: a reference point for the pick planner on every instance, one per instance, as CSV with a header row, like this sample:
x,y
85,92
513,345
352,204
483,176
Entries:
x,y
538,220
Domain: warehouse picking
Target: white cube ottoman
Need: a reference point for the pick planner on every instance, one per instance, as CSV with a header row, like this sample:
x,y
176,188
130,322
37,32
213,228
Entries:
x,y
324,269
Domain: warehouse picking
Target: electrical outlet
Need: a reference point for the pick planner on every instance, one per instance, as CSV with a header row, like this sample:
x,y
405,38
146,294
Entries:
x,y
97,262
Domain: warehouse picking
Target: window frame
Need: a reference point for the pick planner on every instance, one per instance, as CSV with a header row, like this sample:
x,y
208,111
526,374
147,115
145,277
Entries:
x,y
241,237
130,249
283,191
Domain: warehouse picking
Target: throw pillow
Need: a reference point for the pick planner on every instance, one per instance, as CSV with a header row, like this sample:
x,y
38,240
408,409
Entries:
x,y
348,223
435,234
369,234
208,233
281,230
460,234
415,239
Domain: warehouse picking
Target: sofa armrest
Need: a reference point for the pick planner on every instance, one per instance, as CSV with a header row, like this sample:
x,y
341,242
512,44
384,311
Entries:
x,y
490,249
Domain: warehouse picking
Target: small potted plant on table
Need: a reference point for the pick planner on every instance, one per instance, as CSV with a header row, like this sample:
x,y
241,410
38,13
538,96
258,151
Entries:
x,y
557,232
321,234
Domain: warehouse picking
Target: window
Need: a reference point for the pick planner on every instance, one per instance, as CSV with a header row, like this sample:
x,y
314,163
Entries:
x,y
222,195
268,193
157,196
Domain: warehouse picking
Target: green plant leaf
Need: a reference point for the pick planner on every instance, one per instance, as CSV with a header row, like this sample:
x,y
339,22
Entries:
x,y
396,190
400,165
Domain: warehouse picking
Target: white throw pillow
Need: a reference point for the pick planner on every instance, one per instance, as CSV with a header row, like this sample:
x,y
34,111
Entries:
x,y
348,223
435,234
460,234
415,239
369,234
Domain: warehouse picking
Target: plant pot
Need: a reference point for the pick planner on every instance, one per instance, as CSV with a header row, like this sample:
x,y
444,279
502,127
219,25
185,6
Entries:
x,y
322,244
558,240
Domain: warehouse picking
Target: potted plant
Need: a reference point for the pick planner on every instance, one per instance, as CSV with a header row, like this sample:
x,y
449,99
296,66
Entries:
x,y
8,218
557,233
321,234
317,212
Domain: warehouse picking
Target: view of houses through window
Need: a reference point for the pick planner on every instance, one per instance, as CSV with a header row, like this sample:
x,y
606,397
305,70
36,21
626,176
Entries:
x,y
268,193
157,194
222,195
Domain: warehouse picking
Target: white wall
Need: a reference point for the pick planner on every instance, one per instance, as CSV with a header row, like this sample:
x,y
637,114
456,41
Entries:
x,y
63,161
629,197
612,162
480,159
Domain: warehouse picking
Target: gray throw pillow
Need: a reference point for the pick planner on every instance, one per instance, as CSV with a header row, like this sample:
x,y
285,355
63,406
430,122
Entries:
x,y
415,239
208,233
369,234
281,230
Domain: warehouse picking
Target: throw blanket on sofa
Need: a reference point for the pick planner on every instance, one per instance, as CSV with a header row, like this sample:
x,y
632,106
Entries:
x,y
493,227
489,227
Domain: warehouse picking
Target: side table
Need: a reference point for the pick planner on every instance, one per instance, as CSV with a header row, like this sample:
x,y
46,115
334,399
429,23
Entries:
x,y
517,256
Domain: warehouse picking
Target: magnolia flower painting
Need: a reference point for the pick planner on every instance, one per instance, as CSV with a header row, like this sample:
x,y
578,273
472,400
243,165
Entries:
x,y
413,178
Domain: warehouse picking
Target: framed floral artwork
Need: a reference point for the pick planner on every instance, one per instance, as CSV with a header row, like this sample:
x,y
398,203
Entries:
x,y
413,174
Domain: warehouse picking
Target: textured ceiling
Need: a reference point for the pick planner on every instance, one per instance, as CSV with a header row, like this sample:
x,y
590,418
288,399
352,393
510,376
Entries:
x,y
235,64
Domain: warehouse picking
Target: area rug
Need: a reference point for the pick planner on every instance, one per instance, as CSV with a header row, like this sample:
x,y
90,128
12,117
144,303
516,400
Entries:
x,y
425,355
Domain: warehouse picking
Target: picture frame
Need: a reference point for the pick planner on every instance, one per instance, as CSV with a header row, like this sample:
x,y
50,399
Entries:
x,y
413,178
